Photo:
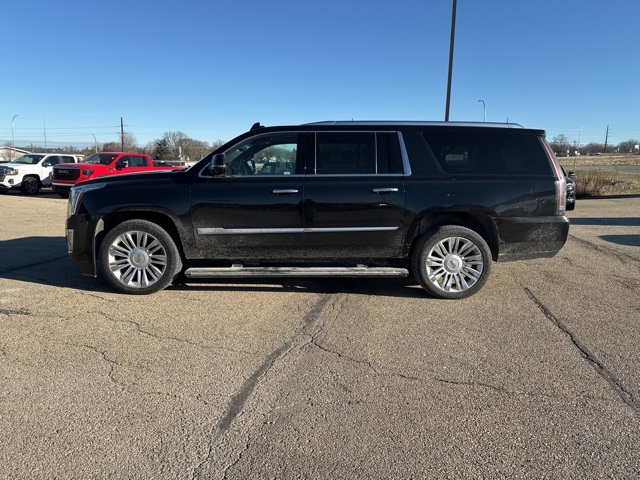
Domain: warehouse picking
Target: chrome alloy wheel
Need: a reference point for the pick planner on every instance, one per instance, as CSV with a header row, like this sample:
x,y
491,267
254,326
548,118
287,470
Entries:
x,y
454,264
137,259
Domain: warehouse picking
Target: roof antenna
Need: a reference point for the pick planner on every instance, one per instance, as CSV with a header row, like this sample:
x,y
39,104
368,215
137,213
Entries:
x,y
255,126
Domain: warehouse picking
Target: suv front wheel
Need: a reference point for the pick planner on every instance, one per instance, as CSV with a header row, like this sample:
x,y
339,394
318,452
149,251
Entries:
x,y
139,257
452,262
30,185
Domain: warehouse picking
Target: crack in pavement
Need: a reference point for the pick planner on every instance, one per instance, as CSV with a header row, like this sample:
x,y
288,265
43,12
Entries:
x,y
112,364
247,445
138,327
606,250
598,366
239,399
21,311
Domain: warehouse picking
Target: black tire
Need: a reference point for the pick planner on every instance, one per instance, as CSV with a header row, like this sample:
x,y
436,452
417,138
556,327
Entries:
x,y
30,185
139,257
452,262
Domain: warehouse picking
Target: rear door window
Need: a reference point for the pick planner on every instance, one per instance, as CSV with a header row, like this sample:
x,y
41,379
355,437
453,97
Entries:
x,y
357,153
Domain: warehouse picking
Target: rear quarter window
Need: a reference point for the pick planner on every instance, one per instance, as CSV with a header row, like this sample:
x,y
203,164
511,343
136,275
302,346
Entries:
x,y
484,153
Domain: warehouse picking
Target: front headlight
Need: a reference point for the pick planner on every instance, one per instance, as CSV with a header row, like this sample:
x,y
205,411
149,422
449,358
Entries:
x,y
76,194
11,171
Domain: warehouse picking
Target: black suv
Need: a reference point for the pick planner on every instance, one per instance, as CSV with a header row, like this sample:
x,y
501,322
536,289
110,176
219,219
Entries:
x,y
438,200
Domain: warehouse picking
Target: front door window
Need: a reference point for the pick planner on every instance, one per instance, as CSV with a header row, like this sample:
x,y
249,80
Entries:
x,y
274,154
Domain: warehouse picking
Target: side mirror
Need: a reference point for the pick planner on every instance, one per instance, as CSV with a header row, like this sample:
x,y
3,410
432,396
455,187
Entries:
x,y
217,167
46,164
572,175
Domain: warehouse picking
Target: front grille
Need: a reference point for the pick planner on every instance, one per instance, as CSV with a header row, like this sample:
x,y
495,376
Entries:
x,y
2,175
66,173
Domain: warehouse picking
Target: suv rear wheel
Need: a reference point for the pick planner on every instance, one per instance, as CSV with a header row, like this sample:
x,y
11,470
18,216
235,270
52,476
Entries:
x,y
452,262
139,257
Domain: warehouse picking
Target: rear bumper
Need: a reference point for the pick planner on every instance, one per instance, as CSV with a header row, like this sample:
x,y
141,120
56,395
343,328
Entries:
x,y
523,238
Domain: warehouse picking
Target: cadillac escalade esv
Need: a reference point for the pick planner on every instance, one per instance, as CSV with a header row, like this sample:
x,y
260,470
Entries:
x,y
440,201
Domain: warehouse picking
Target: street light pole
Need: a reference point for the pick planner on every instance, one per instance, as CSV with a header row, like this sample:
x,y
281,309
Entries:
x,y
484,108
453,36
13,139
95,142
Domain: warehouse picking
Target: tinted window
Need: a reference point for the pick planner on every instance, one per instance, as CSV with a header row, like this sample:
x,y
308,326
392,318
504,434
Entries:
x,y
52,160
138,161
388,153
271,154
344,153
100,158
479,153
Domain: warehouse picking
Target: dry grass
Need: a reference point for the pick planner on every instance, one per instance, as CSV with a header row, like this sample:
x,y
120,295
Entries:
x,y
601,160
599,183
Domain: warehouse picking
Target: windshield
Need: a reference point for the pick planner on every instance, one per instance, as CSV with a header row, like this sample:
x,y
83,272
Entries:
x,y
29,159
99,159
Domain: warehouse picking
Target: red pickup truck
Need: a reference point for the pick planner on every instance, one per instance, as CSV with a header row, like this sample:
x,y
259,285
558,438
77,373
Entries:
x,y
66,175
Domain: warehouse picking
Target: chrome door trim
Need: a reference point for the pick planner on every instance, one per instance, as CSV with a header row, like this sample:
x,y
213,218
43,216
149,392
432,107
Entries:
x,y
261,231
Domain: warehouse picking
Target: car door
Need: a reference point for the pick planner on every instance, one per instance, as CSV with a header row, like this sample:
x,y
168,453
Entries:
x,y
132,164
254,210
46,169
354,195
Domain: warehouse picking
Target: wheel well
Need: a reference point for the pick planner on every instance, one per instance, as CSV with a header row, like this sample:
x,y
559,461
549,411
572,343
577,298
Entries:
x,y
34,176
482,224
159,219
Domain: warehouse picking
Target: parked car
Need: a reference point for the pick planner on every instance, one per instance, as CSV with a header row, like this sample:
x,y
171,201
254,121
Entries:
x,y
32,171
571,189
437,200
101,164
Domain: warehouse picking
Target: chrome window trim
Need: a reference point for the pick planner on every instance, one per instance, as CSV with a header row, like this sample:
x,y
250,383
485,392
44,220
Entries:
x,y
257,175
262,231
406,165
356,175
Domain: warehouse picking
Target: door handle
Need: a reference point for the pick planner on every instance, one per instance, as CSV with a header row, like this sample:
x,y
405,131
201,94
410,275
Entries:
x,y
285,192
385,190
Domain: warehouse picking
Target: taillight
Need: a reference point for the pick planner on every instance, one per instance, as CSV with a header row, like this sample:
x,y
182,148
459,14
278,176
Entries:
x,y
561,183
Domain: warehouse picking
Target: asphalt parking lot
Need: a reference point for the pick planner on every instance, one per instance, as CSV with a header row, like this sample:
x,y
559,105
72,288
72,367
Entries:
x,y
536,376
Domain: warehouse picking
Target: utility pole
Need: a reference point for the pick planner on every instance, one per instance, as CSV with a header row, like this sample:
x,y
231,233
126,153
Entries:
x,y
453,36
44,126
122,134
606,140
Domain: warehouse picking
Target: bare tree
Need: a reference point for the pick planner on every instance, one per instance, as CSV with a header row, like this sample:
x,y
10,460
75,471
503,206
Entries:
x,y
593,147
130,142
560,144
629,146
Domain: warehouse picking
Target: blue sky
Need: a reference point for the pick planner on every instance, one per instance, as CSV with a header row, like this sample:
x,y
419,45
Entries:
x,y
211,69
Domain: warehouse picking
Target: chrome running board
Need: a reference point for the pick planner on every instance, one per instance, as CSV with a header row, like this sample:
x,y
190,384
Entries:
x,y
240,271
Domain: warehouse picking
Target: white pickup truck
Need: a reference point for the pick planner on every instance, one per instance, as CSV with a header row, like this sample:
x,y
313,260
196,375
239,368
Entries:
x,y
32,171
